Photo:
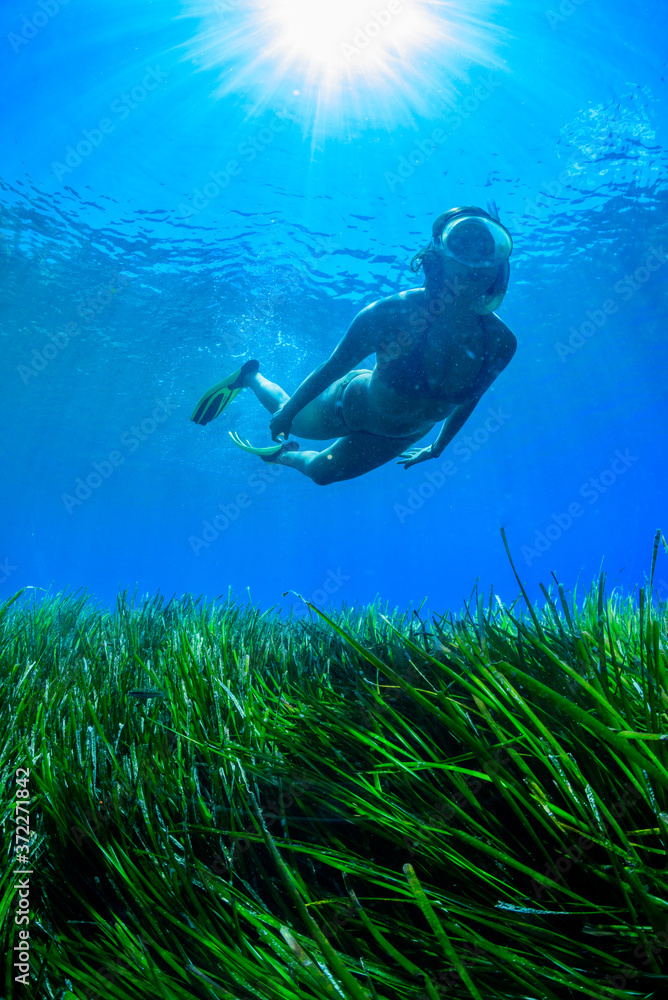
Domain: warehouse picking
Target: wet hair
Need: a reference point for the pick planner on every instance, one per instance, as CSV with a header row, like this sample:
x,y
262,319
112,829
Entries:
x,y
433,265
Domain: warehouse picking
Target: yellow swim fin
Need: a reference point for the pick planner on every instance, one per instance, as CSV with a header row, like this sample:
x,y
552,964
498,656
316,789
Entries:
x,y
214,401
267,454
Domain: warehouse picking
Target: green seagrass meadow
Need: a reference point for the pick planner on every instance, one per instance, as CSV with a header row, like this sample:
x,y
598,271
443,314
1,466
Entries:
x,y
365,804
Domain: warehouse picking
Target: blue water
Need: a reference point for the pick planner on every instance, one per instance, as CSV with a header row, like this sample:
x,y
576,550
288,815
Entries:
x,y
180,191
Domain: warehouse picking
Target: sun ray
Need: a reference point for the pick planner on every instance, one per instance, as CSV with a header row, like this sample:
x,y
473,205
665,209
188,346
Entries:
x,y
350,60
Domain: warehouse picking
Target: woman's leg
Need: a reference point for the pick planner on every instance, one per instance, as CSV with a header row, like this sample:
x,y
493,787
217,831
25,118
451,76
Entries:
x,y
347,458
316,422
270,395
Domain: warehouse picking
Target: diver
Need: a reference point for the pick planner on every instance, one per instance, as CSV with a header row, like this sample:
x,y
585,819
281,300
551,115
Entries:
x,y
438,349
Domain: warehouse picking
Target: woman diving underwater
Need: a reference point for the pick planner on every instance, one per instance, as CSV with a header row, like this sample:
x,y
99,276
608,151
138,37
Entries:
x,y
438,350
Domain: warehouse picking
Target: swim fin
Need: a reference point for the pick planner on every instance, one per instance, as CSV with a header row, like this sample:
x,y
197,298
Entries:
x,y
214,401
269,454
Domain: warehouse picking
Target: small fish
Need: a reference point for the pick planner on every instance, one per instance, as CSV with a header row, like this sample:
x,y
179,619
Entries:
x,y
145,695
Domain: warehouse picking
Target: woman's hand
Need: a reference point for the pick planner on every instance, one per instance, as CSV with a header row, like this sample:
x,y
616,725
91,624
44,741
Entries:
x,y
280,423
415,456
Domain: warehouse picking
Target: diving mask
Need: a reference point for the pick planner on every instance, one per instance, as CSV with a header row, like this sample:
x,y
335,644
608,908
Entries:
x,y
476,241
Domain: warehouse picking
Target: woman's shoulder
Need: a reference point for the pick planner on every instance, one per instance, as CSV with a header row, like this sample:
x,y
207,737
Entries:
x,y
398,304
505,341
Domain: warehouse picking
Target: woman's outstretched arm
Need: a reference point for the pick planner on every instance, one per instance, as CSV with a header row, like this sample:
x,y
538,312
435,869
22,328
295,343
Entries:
x,y
452,426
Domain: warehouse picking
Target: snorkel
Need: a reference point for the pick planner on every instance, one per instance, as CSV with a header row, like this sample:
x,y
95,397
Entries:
x,y
475,240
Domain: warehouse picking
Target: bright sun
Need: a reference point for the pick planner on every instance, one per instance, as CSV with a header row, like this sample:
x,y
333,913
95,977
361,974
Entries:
x,y
334,38
350,59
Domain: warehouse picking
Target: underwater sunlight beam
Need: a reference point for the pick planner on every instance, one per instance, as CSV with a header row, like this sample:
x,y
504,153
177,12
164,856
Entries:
x,y
336,38
349,59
